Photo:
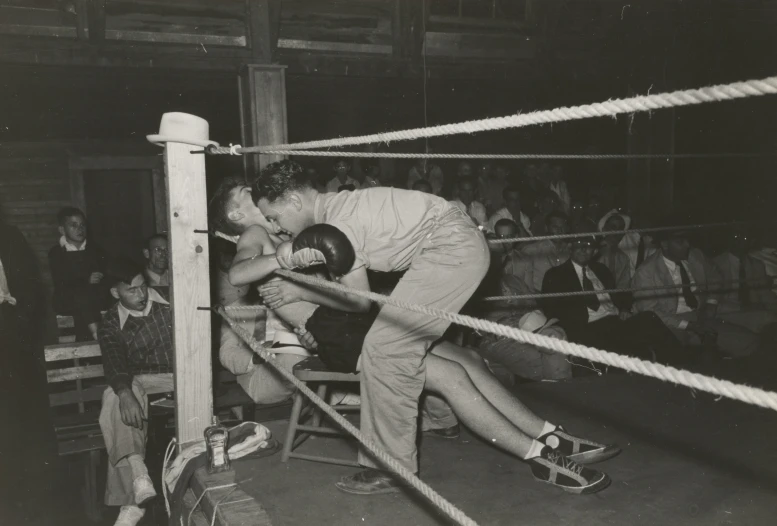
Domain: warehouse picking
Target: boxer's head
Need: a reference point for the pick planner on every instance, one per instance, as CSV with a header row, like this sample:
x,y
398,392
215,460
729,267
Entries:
x,y
232,208
285,197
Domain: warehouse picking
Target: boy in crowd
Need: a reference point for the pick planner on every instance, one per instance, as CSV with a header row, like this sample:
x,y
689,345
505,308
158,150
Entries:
x,y
136,338
77,269
155,254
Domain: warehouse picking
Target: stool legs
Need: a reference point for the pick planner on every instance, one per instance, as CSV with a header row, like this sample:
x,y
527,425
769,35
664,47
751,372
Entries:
x,y
291,433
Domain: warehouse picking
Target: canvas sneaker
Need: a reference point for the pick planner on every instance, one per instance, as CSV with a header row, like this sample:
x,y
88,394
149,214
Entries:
x,y
554,468
578,449
129,516
143,489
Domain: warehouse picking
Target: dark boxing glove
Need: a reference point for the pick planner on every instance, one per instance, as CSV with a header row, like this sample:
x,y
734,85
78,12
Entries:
x,y
323,244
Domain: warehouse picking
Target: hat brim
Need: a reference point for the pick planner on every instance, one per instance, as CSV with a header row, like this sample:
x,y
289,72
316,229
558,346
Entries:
x,y
160,140
550,323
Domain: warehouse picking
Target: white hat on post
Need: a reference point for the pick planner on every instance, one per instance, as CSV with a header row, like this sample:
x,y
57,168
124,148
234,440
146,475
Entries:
x,y
184,128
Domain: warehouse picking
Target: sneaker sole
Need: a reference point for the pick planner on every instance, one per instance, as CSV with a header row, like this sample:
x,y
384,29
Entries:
x,y
596,455
352,491
597,486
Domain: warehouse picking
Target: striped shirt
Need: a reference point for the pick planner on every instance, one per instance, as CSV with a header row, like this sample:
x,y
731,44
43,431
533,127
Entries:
x,y
141,345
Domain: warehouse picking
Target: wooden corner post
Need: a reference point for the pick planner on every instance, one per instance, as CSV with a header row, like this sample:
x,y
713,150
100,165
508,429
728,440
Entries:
x,y
190,288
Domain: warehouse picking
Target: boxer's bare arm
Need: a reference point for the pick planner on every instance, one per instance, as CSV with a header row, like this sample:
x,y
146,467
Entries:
x,y
255,258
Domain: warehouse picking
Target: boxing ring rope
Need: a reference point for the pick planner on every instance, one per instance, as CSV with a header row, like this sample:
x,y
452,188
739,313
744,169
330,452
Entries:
x,y
449,509
609,108
743,393
539,156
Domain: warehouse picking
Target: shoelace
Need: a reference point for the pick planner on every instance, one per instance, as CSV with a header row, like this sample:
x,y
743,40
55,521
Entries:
x,y
565,463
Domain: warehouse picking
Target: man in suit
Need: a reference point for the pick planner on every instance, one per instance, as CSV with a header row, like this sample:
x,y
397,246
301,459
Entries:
x,y
601,320
695,311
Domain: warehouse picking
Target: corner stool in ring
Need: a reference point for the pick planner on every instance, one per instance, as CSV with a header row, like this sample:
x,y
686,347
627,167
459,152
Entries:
x,y
313,370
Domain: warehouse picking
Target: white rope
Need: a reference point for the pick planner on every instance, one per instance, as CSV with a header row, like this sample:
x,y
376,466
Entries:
x,y
735,90
581,156
449,509
743,393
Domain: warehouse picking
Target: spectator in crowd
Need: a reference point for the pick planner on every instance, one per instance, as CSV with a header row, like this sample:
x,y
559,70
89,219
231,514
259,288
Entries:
x,y
371,176
464,169
422,186
558,185
593,211
424,169
548,253
156,261
610,254
316,181
77,269
547,203
636,246
603,320
491,188
342,169
511,210
693,310
754,288
136,339
465,202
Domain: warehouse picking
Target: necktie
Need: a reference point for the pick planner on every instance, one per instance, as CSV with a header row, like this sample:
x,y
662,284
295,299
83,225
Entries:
x,y
592,300
690,299
744,290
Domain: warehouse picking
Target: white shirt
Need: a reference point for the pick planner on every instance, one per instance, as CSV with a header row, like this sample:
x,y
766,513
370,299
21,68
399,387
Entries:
x,y
504,213
334,183
125,313
475,210
70,247
674,271
606,306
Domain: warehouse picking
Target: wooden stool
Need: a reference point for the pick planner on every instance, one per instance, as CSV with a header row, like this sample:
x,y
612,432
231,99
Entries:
x,y
313,370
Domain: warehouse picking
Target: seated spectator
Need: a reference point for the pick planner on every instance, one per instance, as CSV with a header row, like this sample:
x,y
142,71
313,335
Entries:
x,y
602,320
594,210
511,210
136,339
610,254
547,253
156,261
425,170
342,169
636,246
464,169
754,290
346,188
547,202
77,270
372,175
316,181
491,189
558,186
422,186
693,311
466,201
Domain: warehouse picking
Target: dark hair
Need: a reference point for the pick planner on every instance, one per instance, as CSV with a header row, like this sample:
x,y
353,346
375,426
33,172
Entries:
x,y
558,214
121,270
346,188
421,182
69,211
221,204
158,235
510,189
504,222
339,160
278,179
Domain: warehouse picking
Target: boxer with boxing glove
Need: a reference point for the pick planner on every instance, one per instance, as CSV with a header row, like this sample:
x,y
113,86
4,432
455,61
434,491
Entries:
x,y
445,257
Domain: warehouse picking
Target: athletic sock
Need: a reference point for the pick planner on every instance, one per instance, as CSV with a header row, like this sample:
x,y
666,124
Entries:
x,y
546,428
534,450
137,466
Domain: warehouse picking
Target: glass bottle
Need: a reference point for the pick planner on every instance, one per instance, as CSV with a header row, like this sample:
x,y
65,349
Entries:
x,y
217,443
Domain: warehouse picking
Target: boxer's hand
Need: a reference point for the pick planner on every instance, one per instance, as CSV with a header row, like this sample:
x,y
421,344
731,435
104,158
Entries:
x,y
278,293
306,339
